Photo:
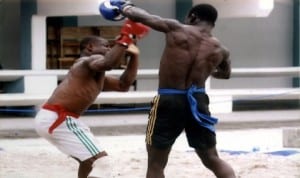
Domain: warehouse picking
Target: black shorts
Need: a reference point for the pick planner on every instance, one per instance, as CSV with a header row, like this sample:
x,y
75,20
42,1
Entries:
x,y
170,115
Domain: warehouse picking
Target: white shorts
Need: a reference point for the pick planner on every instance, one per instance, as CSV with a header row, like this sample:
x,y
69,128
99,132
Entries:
x,y
72,137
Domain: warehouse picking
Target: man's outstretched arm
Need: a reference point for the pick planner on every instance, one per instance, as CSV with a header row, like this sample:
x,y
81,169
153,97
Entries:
x,y
138,14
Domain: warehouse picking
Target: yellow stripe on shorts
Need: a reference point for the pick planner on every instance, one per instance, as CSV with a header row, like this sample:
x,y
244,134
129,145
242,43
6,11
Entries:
x,y
151,120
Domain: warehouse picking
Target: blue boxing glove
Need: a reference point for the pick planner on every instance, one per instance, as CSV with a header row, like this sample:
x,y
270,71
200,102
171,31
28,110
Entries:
x,y
110,12
121,4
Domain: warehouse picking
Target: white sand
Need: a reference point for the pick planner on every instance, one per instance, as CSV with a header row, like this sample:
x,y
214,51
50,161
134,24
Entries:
x,y
36,158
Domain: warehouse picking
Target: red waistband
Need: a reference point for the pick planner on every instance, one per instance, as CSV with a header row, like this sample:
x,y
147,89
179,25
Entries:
x,y
62,114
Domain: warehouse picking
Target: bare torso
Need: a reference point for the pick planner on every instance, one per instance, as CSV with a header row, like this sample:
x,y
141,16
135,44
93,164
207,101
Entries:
x,y
71,95
191,53
187,59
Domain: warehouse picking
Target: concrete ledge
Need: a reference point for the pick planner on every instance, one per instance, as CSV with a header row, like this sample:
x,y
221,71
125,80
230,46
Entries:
x,y
291,137
123,124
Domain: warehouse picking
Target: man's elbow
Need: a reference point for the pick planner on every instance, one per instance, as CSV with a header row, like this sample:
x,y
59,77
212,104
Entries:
x,y
100,68
124,86
226,75
124,89
221,75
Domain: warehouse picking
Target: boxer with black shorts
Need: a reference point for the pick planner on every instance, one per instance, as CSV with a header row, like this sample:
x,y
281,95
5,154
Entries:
x,y
190,56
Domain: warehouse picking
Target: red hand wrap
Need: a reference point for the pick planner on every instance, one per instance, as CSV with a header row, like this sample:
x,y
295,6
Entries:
x,y
125,40
138,29
131,30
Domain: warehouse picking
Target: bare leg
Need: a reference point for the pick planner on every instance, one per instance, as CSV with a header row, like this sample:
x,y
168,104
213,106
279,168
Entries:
x,y
86,166
212,161
157,161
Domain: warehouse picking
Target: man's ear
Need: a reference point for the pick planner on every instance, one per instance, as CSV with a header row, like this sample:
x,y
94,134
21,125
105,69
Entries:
x,y
193,18
89,47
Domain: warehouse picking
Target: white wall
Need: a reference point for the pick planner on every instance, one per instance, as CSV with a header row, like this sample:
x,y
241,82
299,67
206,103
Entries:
x,y
241,8
46,8
259,42
68,7
38,37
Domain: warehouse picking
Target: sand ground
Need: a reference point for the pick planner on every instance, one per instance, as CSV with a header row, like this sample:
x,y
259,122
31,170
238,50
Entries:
x,y
36,158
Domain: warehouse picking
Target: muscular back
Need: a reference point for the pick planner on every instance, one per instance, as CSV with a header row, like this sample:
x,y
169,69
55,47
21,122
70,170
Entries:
x,y
190,56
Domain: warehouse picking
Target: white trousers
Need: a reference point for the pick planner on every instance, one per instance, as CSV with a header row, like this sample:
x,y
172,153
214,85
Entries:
x,y
72,137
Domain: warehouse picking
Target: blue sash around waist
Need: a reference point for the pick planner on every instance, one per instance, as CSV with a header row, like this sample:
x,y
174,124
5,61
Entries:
x,y
199,117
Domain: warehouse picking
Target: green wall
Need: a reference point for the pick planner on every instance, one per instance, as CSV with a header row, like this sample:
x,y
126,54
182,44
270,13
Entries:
x,y
182,7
